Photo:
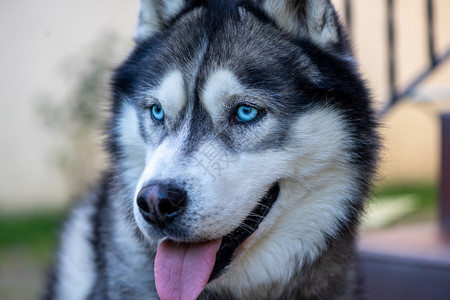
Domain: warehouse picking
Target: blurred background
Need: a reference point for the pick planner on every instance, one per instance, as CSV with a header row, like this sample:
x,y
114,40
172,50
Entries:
x,y
56,60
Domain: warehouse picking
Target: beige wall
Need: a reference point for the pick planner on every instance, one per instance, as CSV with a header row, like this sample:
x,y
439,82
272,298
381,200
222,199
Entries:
x,y
38,36
411,129
38,39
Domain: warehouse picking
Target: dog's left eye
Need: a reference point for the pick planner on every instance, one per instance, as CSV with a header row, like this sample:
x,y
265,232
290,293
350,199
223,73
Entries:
x,y
157,112
246,113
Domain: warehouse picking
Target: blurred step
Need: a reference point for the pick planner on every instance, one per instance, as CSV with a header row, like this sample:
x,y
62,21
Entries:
x,y
408,262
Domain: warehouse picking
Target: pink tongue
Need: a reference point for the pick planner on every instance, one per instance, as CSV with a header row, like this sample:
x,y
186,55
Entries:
x,y
182,270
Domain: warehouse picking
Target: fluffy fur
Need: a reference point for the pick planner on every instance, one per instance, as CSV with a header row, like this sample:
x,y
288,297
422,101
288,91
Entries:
x,y
315,136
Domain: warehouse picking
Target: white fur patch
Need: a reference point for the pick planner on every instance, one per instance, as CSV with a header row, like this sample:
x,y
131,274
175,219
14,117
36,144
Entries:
x,y
133,146
77,267
171,93
160,163
220,86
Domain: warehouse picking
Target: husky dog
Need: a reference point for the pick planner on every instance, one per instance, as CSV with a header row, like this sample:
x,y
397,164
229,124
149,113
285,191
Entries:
x,y
242,144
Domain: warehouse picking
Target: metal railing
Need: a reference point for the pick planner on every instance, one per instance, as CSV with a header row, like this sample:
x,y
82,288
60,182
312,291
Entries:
x,y
396,94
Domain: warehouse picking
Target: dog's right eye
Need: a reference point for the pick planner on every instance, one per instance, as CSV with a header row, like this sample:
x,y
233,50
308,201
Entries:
x,y
157,112
247,114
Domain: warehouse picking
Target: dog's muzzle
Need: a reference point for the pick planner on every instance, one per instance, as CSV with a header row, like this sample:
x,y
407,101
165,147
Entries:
x,y
185,267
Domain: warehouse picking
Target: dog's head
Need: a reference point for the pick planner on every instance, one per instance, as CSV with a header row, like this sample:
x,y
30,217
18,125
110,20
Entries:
x,y
233,122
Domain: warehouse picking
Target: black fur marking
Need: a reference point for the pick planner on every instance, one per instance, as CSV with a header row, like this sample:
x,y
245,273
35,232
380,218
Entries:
x,y
217,12
52,281
200,127
100,287
220,11
255,8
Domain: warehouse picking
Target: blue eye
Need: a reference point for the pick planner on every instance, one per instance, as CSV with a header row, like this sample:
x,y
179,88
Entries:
x,y
246,113
157,112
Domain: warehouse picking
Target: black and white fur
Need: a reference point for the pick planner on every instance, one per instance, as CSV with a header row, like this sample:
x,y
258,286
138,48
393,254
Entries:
x,y
315,137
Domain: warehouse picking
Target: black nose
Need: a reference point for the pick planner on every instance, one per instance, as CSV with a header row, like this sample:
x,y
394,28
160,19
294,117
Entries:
x,y
159,203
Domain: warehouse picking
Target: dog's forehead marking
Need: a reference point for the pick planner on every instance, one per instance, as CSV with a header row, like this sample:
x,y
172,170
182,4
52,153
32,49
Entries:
x,y
171,92
220,86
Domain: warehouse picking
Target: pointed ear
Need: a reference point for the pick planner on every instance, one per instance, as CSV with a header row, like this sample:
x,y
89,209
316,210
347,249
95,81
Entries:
x,y
154,14
315,20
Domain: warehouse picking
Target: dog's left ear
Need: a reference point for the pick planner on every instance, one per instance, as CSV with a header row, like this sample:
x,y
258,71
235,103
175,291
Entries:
x,y
315,20
154,14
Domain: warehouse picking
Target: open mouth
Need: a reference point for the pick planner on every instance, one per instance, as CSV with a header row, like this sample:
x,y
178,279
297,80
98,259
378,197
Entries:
x,y
182,270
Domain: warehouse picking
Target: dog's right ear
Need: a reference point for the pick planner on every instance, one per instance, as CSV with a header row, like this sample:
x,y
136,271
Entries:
x,y
154,14
315,20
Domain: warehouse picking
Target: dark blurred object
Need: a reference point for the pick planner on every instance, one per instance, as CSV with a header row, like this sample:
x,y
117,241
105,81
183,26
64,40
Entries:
x,y
445,176
407,262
